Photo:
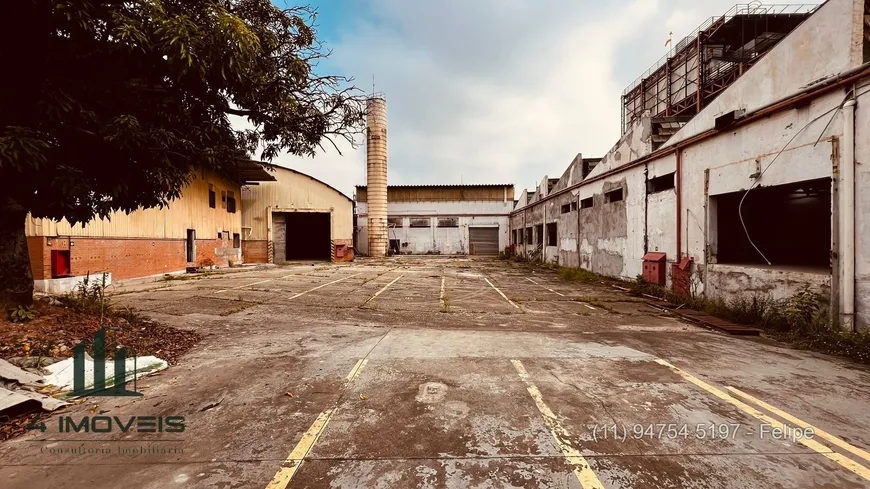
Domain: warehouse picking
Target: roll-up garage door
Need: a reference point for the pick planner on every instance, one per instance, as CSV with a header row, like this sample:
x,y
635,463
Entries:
x,y
484,241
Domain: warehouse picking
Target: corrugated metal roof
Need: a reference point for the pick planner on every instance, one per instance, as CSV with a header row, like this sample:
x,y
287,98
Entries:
x,y
491,185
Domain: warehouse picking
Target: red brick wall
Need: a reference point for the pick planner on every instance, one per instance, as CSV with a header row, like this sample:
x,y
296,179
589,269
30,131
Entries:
x,y
122,257
125,257
255,251
219,251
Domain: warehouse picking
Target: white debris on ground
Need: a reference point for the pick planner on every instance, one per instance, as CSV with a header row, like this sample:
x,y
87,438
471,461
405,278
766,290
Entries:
x,y
19,390
60,374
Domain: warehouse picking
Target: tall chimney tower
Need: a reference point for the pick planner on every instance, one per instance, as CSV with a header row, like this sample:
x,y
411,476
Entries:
x,y
376,173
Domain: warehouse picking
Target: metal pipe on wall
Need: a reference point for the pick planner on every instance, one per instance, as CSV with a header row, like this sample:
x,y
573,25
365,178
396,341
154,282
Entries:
x,y
679,205
847,219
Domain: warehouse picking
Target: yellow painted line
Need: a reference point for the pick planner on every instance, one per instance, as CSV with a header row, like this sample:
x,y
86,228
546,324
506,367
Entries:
x,y
810,443
544,286
501,293
293,461
322,286
803,424
357,369
383,289
582,470
243,286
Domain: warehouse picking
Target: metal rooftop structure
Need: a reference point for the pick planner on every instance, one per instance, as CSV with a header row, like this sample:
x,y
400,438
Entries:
x,y
704,63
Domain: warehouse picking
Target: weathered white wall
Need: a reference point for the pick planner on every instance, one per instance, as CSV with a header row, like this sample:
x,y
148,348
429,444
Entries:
x,y
862,207
611,235
736,280
440,240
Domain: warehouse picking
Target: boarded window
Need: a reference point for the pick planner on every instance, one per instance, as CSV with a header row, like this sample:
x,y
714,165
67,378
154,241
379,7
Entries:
x,y
551,234
613,196
448,222
237,240
394,222
660,184
420,222
566,208
586,203
212,196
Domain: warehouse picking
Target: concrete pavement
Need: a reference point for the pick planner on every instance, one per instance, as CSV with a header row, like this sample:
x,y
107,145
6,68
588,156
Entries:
x,y
454,373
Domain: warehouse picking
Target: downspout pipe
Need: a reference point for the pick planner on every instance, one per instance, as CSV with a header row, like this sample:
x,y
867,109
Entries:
x,y
679,194
847,219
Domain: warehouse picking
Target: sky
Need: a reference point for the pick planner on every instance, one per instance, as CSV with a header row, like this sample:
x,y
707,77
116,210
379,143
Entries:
x,y
492,91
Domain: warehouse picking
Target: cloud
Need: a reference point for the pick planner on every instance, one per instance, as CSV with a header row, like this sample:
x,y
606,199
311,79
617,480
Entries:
x,y
496,91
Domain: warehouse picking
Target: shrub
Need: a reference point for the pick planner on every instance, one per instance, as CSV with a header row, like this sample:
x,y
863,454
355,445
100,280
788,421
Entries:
x,y
21,314
578,275
89,296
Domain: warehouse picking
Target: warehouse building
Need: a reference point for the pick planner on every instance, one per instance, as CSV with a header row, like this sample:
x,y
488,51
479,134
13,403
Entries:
x,y
743,175
203,227
295,217
442,219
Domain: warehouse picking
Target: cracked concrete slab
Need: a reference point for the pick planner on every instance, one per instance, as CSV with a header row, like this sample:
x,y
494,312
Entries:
x,y
415,394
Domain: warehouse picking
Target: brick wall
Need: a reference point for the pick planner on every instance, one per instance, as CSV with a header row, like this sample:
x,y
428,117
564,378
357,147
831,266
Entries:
x,y
125,257
255,251
219,251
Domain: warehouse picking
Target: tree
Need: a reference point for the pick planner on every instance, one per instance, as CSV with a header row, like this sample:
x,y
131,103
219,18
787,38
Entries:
x,y
112,104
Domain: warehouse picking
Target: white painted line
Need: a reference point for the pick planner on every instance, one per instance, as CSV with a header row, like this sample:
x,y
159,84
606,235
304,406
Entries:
x,y
544,286
563,438
501,293
322,286
383,289
243,286
443,279
590,307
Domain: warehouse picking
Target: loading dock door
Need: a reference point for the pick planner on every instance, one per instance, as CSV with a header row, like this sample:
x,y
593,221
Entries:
x,y
308,236
483,241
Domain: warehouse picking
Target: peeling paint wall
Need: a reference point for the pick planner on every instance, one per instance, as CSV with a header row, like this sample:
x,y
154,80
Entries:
x,y
788,146
862,209
735,280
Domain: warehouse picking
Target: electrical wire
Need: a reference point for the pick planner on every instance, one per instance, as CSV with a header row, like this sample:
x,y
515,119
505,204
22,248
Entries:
x,y
758,179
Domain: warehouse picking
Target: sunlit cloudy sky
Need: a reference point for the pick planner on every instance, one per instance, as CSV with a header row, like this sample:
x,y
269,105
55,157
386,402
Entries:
x,y
493,91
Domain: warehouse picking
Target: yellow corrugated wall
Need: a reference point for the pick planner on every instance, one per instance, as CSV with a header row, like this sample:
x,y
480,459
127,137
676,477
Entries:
x,y
190,211
291,191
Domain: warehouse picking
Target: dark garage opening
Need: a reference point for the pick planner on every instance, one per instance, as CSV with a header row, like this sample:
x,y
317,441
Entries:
x,y
308,236
790,224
